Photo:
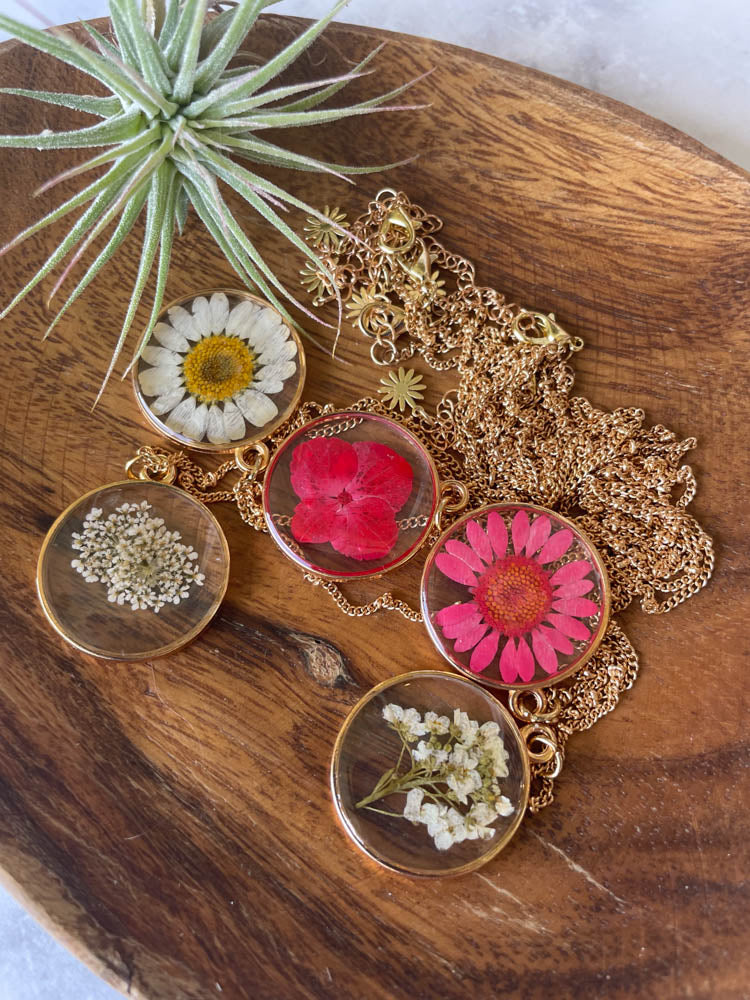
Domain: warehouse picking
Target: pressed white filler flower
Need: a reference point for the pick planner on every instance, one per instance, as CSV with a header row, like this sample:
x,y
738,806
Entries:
x,y
216,368
457,767
141,563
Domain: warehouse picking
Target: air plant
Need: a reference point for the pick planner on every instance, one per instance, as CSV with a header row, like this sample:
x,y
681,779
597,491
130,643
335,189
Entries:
x,y
177,119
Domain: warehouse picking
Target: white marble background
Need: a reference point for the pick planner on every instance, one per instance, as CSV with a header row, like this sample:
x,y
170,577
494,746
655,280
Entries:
x,y
684,61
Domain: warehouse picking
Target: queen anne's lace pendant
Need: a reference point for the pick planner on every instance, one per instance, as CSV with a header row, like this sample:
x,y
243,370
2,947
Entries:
x,y
133,570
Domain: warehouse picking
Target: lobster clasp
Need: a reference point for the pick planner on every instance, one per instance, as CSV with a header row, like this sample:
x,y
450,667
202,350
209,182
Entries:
x,y
420,269
539,328
397,233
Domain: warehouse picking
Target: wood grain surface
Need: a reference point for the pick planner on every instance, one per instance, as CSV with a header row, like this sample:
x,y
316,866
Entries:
x,y
170,820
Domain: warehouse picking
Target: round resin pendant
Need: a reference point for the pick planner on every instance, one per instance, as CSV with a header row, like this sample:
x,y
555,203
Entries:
x,y
350,495
430,775
221,371
133,570
516,596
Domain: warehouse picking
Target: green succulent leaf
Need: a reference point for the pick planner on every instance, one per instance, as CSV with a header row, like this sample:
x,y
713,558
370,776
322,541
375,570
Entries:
x,y
245,15
305,103
187,99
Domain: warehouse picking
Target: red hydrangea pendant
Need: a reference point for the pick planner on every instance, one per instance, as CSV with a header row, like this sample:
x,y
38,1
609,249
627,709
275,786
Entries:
x,y
350,495
515,596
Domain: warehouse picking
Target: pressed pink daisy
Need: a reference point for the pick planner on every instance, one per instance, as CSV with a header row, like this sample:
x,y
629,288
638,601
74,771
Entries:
x,y
526,602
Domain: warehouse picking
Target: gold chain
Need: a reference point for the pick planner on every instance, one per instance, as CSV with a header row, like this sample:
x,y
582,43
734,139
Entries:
x,y
510,431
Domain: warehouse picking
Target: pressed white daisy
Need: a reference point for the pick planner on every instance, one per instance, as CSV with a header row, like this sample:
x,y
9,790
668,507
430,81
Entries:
x,y
216,367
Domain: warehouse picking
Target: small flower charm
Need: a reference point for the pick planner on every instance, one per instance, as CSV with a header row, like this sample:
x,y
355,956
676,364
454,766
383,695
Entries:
x,y
402,389
324,235
315,282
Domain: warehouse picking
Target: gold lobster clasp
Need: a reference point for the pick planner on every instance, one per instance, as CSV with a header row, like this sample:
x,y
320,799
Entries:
x,y
539,328
396,220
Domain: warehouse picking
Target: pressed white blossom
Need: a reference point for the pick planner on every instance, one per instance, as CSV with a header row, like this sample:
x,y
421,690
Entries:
x,y
495,752
429,754
463,777
504,807
459,765
488,731
141,563
393,714
450,829
466,729
479,820
436,724
413,807
407,722
216,368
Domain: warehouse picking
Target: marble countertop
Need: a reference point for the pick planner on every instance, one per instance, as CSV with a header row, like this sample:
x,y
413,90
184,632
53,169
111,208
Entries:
x,y
686,62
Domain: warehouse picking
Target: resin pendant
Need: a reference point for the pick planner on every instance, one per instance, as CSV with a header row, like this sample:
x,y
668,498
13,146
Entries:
x,y
516,596
430,775
350,495
222,370
133,570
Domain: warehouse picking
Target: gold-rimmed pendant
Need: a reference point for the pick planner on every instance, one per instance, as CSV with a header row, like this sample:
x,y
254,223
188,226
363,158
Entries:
x,y
515,596
222,371
132,570
430,775
352,495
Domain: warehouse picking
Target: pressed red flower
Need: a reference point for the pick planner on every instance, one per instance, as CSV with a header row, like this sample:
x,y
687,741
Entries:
x,y
514,596
349,495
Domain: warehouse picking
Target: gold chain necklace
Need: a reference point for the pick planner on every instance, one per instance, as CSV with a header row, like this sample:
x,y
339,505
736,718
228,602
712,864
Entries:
x,y
509,432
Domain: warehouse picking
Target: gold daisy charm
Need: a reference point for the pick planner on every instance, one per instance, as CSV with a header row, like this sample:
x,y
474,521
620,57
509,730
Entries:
x,y
361,303
402,389
315,282
323,235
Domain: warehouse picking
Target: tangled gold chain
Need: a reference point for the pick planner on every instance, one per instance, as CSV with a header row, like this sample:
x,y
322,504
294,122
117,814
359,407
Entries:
x,y
510,431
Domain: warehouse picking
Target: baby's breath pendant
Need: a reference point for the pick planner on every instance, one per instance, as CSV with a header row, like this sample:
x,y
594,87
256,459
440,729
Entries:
x,y
133,570
430,774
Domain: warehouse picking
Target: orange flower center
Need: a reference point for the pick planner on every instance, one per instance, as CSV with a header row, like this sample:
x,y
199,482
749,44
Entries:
x,y
514,595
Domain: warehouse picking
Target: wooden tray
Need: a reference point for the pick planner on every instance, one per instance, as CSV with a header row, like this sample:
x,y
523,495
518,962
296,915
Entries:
x,y
170,821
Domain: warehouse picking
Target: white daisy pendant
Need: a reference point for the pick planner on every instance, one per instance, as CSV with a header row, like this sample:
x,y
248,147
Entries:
x,y
221,371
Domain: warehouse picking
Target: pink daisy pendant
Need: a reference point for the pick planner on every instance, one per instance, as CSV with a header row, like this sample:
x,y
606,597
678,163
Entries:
x,y
350,495
516,596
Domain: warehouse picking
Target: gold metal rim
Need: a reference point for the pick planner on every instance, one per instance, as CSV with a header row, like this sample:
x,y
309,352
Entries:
x,y
337,578
263,432
161,650
546,681
495,849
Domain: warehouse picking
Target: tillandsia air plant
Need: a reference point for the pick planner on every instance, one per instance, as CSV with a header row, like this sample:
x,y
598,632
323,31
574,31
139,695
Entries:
x,y
185,101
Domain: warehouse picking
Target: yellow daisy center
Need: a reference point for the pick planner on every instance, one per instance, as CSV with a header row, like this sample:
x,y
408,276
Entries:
x,y
218,367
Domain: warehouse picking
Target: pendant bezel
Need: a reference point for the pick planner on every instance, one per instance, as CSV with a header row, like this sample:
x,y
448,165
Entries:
x,y
340,416
138,489
338,772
